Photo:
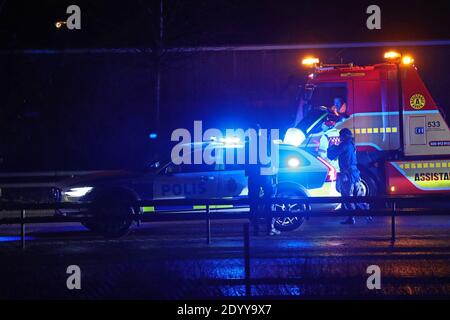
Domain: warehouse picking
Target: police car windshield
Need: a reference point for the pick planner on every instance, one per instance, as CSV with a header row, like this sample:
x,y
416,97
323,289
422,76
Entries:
x,y
316,99
312,121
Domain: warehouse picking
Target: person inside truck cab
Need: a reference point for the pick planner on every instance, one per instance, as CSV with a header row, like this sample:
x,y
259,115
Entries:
x,y
338,110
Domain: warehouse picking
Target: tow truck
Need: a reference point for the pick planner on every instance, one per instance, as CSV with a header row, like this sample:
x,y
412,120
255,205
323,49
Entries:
x,y
401,135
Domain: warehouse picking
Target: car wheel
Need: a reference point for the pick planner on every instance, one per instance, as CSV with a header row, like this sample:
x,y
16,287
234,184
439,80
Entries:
x,y
369,185
112,215
370,188
288,223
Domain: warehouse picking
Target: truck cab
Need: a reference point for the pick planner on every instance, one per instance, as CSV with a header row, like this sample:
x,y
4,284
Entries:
x,y
402,138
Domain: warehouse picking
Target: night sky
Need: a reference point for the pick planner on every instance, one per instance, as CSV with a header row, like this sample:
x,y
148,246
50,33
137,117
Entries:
x,y
95,111
30,24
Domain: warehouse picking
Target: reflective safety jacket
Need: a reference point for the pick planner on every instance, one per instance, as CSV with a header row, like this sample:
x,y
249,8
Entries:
x,y
328,139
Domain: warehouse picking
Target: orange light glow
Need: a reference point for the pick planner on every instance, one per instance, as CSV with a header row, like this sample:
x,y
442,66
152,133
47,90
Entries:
x,y
310,61
392,55
407,60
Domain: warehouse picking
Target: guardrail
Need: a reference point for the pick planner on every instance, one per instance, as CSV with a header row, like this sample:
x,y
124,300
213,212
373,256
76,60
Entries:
x,y
392,206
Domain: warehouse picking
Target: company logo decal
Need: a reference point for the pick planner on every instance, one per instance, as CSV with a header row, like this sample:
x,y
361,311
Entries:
x,y
427,176
417,101
432,176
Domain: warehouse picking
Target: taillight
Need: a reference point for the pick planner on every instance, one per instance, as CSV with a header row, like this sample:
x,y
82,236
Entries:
x,y
331,175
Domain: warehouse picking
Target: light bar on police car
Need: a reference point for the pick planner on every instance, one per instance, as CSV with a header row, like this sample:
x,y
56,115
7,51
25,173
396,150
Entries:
x,y
230,140
294,137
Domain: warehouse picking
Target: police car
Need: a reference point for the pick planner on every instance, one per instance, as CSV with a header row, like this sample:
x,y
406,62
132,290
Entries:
x,y
299,174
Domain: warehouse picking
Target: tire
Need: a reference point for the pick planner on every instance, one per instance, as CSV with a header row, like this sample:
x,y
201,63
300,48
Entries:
x,y
111,215
284,224
371,189
369,183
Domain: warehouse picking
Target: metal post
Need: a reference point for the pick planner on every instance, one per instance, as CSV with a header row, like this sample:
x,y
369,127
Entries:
x,y
22,228
247,259
394,208
208,225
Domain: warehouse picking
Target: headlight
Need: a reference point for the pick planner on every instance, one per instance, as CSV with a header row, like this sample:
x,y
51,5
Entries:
x,y
77,192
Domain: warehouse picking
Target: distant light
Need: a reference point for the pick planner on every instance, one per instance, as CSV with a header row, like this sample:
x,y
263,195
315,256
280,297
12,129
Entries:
x,y
407,60
311,76
59,24
293,162
294,137
153,135
392,188
310,61
14,238
392,55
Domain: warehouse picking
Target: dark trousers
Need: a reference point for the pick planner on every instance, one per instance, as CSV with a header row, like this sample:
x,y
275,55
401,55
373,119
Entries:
x,y
259,206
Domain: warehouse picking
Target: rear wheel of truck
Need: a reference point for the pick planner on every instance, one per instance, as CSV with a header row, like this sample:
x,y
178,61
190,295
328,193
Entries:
x,y
112,214
289,223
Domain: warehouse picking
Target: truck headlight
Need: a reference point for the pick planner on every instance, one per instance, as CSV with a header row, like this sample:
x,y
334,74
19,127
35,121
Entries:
x,y
77,192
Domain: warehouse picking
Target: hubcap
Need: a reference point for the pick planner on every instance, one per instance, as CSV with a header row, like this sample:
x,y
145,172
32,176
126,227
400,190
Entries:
x,y
365,187
287,207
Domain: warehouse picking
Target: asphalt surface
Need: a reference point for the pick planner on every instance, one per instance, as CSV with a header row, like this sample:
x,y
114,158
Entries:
x,y
322,259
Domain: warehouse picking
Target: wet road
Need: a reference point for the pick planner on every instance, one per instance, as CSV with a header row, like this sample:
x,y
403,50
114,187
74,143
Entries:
x,y
323,259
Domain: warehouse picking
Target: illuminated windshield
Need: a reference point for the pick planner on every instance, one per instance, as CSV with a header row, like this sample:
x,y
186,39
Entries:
x,y
316,103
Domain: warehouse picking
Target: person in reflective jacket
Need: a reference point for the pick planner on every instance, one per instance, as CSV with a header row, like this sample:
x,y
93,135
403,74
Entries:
x,y
348,181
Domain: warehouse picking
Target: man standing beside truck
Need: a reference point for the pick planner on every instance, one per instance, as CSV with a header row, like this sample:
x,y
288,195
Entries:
x,y
348,180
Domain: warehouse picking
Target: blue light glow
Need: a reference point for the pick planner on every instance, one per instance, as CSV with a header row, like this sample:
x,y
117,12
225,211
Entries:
x,y
153,135
293,162
294,137
13,238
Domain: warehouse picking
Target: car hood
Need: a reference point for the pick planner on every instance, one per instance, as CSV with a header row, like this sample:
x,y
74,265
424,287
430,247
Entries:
x,y
96,178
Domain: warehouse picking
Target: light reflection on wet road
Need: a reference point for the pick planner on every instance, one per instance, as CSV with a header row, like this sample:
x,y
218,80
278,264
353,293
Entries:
x,y
172,261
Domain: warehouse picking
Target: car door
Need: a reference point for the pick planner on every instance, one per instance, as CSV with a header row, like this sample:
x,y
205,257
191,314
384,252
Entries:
x,y
309,172
186,181
232,181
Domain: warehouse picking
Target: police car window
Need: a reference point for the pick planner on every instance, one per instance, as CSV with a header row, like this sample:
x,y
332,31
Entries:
x,y
187,168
